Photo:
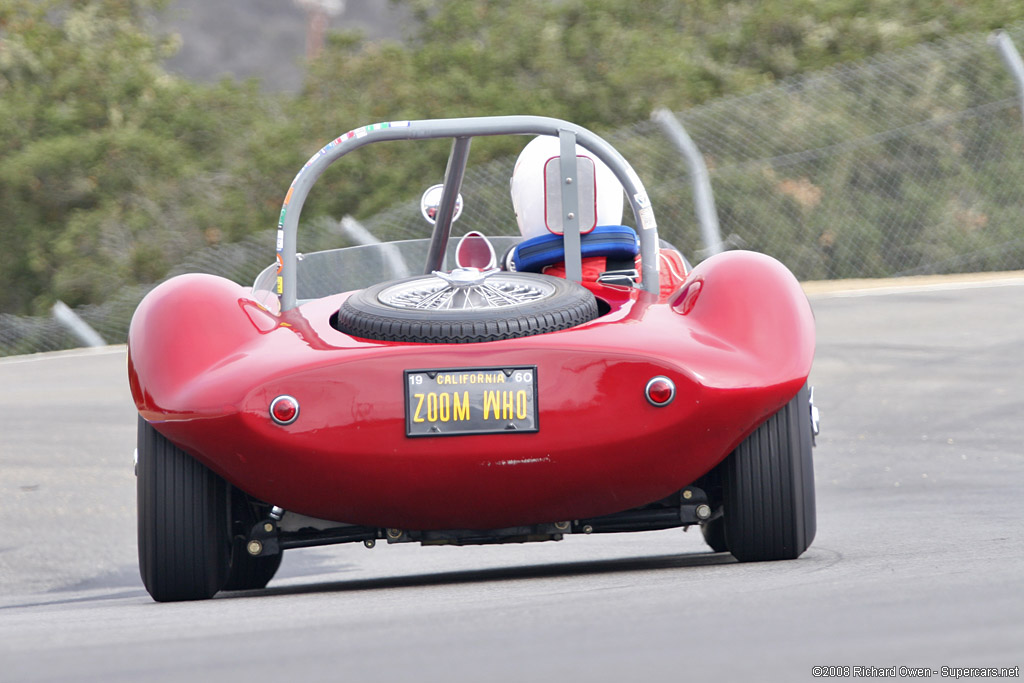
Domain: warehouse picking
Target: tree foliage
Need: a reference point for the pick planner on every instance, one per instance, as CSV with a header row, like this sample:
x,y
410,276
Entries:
x,y
599,63
111,170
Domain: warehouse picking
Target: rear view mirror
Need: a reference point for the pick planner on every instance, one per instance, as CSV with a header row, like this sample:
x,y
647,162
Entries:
x,y
431,200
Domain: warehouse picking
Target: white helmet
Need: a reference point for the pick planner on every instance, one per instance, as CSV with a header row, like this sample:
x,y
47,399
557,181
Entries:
x,y
536,195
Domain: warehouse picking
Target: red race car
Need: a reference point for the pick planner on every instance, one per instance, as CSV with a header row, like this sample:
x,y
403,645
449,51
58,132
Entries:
x,y
577,378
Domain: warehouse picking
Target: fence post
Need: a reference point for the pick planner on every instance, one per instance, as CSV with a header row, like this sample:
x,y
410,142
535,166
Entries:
x,y
78,327
1011,58
703,198
360,235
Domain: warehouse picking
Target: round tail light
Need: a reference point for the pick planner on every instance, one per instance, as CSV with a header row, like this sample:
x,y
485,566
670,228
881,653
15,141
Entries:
x,y
660,391
284,410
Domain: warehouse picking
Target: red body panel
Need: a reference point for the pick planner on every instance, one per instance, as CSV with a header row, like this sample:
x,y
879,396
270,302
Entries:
x,y
205,361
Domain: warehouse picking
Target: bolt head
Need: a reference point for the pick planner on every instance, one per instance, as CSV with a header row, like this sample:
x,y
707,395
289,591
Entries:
x,y
254,548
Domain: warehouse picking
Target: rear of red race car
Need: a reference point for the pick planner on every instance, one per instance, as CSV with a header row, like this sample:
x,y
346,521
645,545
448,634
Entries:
x,y
522,407
610,425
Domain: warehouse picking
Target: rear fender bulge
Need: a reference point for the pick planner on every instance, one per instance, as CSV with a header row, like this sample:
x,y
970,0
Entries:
x,y
184,328
751,302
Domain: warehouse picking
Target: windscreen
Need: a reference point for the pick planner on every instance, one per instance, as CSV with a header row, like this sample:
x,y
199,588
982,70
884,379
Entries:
x,y
325,273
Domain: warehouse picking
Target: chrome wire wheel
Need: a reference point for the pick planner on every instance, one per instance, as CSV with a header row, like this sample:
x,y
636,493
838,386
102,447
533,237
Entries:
x,y
464,290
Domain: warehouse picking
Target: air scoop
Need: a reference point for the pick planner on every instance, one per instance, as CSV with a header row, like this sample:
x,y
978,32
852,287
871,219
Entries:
x,y
475,251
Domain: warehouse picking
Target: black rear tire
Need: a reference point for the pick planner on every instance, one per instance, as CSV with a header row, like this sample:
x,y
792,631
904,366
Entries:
x,y
184,532
768,488
247,572
714,535
250,573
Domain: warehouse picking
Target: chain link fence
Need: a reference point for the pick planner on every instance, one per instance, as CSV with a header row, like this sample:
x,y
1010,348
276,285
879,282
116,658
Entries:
x,y
901,165
908,163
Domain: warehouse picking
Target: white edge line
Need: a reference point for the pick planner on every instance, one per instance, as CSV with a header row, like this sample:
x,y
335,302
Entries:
x,y
69,353
915,289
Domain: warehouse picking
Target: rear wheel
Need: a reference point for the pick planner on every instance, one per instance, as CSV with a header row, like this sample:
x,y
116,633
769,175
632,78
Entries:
x,y
247,572
768,488
714,534
183,527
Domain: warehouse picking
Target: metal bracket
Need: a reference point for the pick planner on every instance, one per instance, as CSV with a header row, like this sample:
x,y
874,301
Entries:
x,y
570,206
263,539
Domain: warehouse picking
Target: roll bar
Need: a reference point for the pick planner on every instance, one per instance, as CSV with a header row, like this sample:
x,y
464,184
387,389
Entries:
x,y
461,131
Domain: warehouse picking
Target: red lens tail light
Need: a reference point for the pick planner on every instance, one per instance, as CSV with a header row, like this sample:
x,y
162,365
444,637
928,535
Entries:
x,y
284,410
660,391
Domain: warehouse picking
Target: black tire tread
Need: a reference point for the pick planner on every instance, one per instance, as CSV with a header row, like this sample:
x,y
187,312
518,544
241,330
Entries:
x,y
248,572
714,535
769,488
182,522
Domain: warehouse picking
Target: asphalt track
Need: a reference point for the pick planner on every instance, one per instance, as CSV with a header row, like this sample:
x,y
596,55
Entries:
x,y
918,562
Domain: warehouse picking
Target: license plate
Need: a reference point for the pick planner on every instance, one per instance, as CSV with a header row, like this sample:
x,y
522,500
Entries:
x,y
463,401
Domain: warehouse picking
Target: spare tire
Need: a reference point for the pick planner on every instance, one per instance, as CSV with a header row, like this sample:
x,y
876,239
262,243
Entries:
x,y
465,307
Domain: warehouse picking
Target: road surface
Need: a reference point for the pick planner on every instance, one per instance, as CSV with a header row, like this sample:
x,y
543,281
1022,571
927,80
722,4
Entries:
x,y
918,561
